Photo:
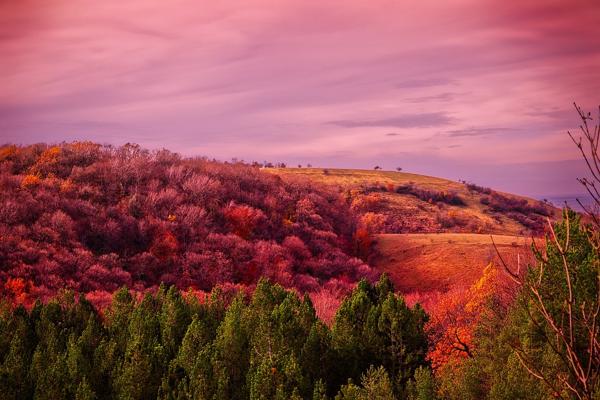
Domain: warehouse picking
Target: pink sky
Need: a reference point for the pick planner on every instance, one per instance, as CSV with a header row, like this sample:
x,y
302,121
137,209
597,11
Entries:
x,y
472,89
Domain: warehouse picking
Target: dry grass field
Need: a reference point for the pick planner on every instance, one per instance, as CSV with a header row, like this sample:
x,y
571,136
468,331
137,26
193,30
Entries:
x,y
440,262
355,177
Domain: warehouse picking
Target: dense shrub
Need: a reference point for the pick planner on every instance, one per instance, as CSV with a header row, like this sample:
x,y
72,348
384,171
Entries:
x,y
501,203
532,215
452,219
92,218
431,195
479,189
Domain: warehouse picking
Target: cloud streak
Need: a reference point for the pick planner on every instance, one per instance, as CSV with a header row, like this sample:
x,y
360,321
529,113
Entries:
x,y
470,132
425,120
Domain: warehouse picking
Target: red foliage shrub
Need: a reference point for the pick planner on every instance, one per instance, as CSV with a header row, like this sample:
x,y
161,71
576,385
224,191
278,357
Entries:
x,y
101,299
242,219
529,214
15,287
431,196
479,189
164,246
92,218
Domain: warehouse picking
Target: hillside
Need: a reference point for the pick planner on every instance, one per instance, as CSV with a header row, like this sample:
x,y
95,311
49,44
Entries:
x,y
93,218
440,262
411,203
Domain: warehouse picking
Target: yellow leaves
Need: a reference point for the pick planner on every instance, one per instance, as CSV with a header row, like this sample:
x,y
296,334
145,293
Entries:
x,y
46,161
50,153
368,202
49,156
482,290
457,313
171,218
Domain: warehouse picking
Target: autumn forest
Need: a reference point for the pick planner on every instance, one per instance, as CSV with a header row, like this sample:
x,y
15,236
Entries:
x,y
137,274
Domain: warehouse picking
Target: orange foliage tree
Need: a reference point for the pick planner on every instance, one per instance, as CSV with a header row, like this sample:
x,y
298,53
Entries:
x,y
457,313
47,161
30,181
368,225
17,289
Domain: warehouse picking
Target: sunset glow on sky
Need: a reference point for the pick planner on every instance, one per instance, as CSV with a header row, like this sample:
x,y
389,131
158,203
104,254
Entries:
x,y
480,90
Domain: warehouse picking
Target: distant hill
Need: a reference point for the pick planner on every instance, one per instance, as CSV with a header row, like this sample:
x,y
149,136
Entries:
x,y
412,203
435,233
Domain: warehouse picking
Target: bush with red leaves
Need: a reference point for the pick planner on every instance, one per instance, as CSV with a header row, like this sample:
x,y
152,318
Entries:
x,y
92,218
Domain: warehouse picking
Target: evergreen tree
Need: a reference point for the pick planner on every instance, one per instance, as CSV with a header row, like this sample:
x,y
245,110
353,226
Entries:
x,y
84,391
145,357
423,386
174,319
231,355
320,391
376,327
375,384
18,332
282,324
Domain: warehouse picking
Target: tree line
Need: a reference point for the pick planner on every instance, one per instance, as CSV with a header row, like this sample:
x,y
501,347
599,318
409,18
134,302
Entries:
x,y
169,345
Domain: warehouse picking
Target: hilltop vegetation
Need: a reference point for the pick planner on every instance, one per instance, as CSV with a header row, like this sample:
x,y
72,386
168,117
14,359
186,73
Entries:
x,y
93,218
400,202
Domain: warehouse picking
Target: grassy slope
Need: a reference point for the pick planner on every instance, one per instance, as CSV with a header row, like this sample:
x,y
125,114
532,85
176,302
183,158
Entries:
x,y
431,262
422,214
442,261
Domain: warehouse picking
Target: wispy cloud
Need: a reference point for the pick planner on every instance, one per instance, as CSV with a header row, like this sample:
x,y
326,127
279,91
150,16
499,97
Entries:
x,y
425,120
441,97
128,27
479,132
420,83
